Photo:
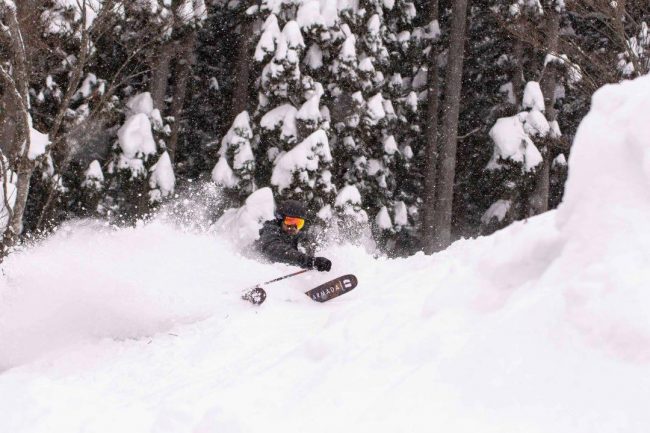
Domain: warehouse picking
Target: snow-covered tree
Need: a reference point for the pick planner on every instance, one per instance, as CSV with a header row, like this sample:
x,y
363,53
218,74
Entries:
x,y
235,168
371,136
516,157
291,125
635,61
92,188
140,170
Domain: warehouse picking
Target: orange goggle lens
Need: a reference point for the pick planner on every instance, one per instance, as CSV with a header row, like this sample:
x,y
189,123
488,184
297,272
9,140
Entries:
x,y
294,221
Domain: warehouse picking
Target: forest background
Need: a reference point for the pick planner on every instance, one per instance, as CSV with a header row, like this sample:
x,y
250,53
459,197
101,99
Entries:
x,y
413,123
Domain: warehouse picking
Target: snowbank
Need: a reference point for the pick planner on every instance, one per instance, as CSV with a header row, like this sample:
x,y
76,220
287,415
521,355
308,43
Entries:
x,y
604,262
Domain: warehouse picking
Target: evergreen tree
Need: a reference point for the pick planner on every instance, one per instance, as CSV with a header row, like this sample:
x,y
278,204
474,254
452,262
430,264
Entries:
x,y
292,145
516,157
236,166
139,149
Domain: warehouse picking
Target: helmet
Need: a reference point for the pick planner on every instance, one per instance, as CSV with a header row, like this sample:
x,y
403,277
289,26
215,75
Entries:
x,y
291,208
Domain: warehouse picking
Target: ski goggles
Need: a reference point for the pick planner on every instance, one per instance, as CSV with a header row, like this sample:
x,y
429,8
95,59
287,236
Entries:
x,y
290,221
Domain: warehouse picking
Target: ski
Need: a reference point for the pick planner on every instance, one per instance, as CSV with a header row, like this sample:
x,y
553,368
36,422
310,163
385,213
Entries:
x,y
323,293
333,288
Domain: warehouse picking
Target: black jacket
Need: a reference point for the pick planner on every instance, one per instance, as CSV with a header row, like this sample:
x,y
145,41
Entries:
x,y
278,246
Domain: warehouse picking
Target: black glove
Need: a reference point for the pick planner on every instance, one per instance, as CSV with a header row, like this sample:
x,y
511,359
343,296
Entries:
x,y
321,264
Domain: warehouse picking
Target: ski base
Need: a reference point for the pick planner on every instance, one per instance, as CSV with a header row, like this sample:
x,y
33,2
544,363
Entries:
x,y
332,289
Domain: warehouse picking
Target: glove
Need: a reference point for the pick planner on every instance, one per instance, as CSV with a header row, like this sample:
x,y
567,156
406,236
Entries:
x,y
321,264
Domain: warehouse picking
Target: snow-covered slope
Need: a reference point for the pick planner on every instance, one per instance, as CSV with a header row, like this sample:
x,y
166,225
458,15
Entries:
x,y
542,327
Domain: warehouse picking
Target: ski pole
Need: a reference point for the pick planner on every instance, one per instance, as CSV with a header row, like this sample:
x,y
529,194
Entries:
x,y
257,295
282,278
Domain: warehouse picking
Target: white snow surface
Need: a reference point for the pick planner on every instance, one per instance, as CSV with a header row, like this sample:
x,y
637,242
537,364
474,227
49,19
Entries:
x,y
401,214
280,115
162,179
135,136
271,34
533,97
511,141
348,194
542,327
37,143
314,57
305,156
140,103
223,175
383,220
498,210
241,225
309,14
94,171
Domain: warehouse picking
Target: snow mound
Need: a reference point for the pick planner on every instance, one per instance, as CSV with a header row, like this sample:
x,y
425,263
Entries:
x,y
604,265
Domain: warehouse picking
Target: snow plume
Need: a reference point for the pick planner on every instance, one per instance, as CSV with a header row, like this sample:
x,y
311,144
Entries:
x,y
92,289
194,208
350,224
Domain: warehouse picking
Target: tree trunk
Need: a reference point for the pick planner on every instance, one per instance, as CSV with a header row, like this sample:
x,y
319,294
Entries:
x,y
8,122
16,84
518,74
242,69
449,133
538,202
184,72
428,222
160,76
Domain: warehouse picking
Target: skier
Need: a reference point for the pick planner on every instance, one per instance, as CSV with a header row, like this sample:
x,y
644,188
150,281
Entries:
x,y
279,238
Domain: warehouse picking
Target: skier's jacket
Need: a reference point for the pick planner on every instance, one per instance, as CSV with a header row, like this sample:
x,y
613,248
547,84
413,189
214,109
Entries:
x,y
278,246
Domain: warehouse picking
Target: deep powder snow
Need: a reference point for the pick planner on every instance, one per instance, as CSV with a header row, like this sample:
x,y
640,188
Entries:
x,y
541,327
